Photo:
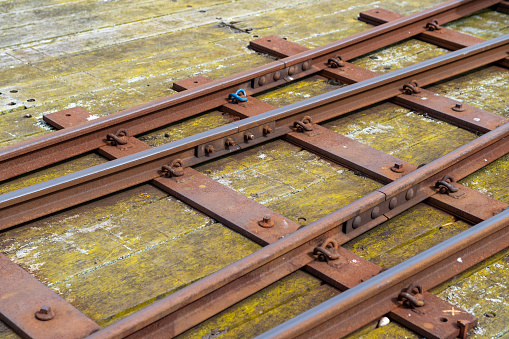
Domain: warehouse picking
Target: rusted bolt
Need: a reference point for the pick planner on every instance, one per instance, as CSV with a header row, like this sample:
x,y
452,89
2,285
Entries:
x,y
412,296
409,194
175,169
266,222
305,125
267,130
262,81
45,313
277,76
209,149
120,137
327,251
249,136
393,203
458,107
446,185
433,25
398,168
375,212
411,87
336,62
356,222
229,142
305,65
291,70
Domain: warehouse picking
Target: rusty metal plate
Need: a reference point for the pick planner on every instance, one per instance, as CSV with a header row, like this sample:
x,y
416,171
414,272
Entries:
x,y
229,207
457,113
67,117
352,154
21,296
276,46
468,204
346,272
348,74
437,319
119,151
191,83
247,109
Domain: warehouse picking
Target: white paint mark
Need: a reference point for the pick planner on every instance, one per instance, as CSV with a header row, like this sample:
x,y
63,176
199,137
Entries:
x,y
459,260
92,117
477,119
424,98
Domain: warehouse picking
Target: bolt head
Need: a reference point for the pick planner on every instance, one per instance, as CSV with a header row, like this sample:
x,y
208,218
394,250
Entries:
x,y
458,107
398,168
45,313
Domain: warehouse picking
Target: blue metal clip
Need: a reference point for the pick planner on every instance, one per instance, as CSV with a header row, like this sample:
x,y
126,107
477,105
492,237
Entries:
x,y
235,97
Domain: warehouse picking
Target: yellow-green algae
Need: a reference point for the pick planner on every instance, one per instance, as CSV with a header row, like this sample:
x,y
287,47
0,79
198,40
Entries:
x,y
399,55
6,332
265,309
485,24
492,180
116,254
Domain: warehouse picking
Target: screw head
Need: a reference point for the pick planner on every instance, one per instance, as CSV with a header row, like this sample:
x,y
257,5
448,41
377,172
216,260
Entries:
x,y
291,70
230,142
375,212
248,136
209,149
398,168
356,222
277,76
393,203
262,81
45,313
266,222
458,107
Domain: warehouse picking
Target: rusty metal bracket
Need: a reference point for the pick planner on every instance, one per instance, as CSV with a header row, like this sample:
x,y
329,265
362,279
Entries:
x,y
266,222
412,296
386,209
445,185
327,251
336,62
411,88
433,25
218,147
304,125
175,169
120,139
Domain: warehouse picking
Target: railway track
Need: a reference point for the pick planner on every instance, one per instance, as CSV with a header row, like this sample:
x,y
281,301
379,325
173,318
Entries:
x,y
287,246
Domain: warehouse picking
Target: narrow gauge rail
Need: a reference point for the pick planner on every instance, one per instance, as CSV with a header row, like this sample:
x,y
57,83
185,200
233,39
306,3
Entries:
x,y
389,201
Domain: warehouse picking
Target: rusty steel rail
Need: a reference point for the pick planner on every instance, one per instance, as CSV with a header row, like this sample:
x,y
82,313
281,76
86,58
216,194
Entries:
x,y
231,284
45,150
56,194
370,300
